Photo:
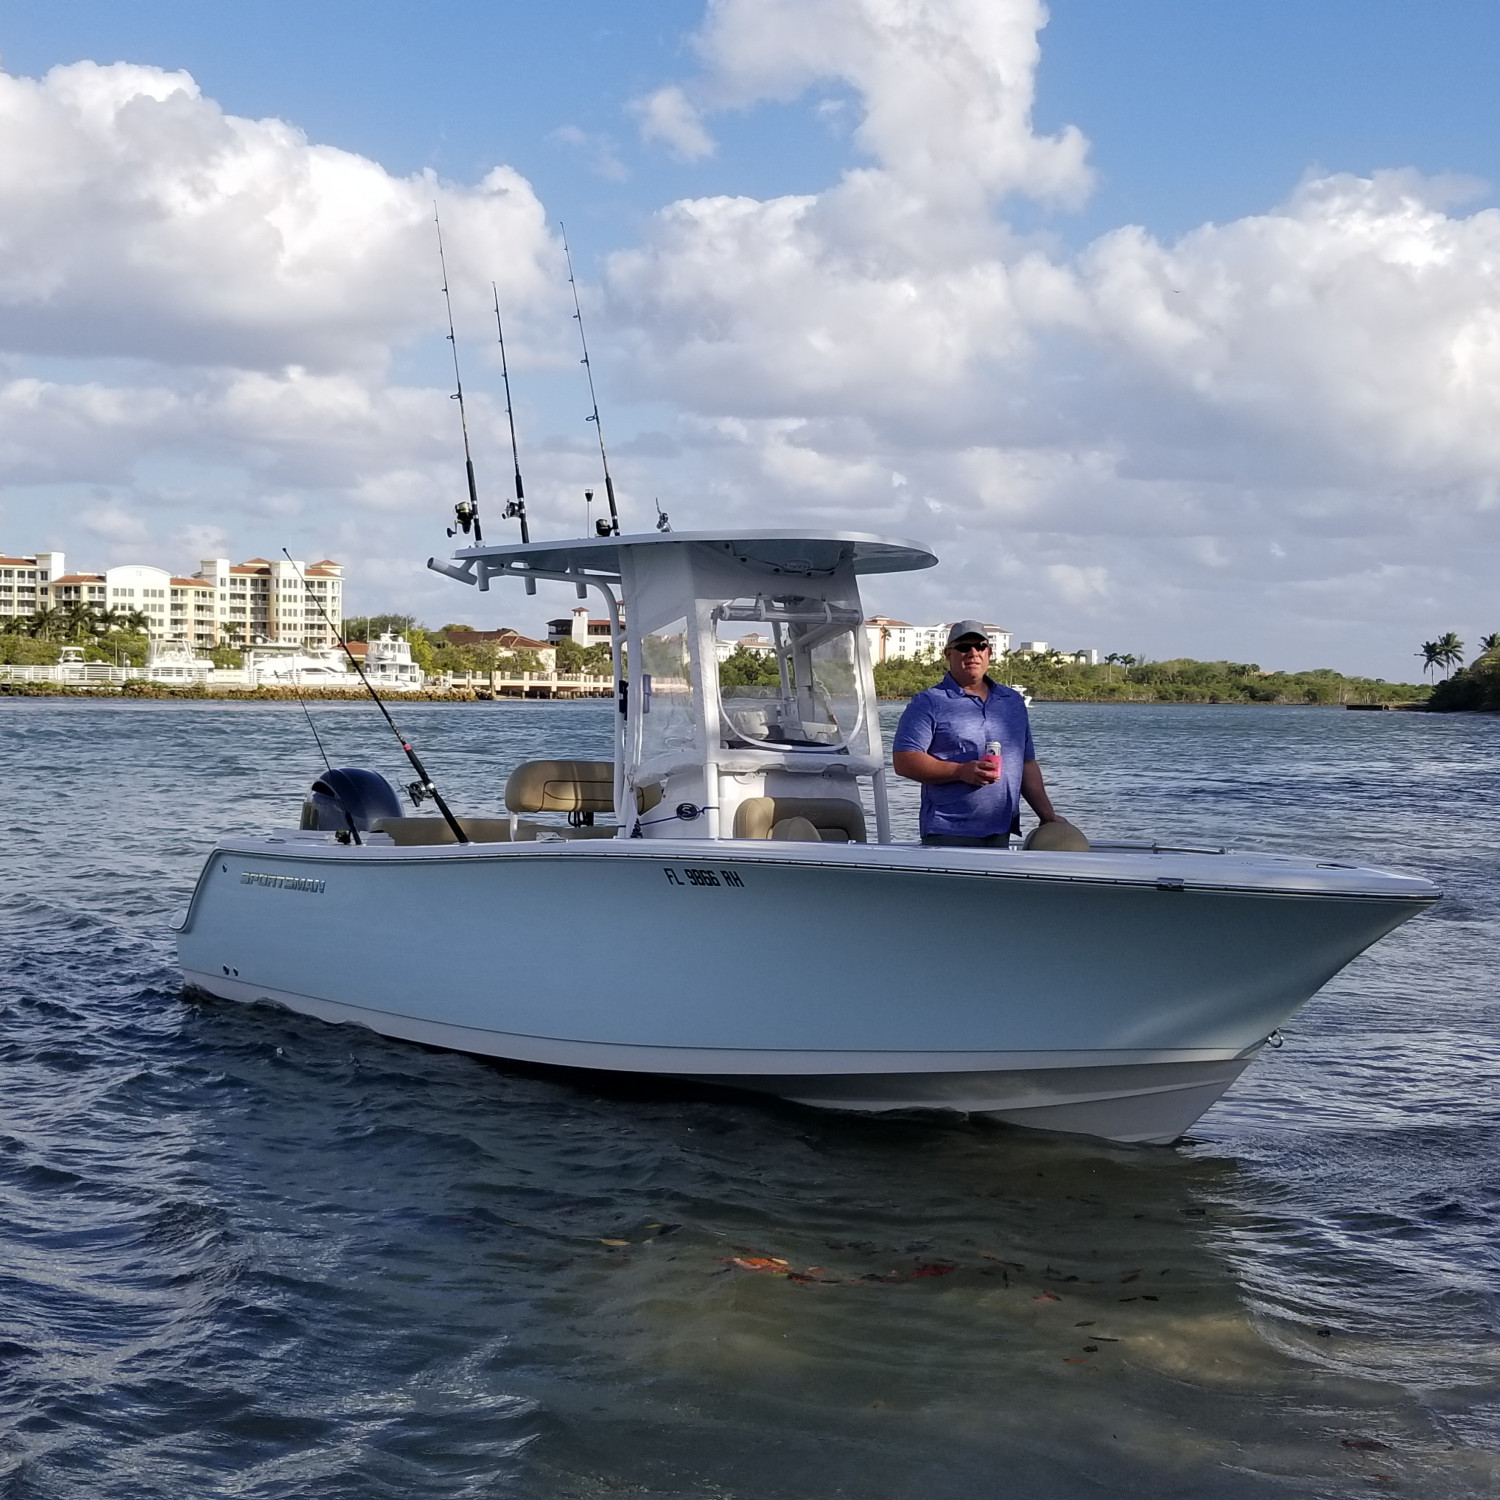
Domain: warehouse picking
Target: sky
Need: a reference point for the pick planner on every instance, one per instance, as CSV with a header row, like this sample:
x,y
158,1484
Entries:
x,y
1174,329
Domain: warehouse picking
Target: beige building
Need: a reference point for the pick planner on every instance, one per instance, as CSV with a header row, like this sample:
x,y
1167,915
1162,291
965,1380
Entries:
x,y
26,582
224,602
260,600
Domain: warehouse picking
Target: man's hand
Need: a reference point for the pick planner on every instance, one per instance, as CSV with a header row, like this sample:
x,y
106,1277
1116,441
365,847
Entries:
x,y
917,765
976,772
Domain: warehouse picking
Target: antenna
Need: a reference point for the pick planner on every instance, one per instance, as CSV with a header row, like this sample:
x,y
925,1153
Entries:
x,y
609,484
516,510
466,511
420,788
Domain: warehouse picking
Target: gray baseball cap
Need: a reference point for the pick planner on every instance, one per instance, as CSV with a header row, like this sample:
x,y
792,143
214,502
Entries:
x,y
961,628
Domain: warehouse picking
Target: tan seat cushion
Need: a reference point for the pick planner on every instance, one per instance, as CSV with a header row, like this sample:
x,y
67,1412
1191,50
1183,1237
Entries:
x,y
795,831
836,819
1060,836
582,786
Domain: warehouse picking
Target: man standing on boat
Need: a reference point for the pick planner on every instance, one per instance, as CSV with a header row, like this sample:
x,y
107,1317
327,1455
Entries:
x,y
968,741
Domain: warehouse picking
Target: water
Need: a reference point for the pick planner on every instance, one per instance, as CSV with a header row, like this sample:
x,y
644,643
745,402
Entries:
x,y
247,1254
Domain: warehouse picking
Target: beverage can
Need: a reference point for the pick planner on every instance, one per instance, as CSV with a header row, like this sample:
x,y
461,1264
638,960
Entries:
x,y
991,756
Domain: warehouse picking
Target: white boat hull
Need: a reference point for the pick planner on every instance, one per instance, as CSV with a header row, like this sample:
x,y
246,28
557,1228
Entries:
x,y
1110,994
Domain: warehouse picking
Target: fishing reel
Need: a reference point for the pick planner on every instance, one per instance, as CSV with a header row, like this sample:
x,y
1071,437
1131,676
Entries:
x,y
419,791
467,515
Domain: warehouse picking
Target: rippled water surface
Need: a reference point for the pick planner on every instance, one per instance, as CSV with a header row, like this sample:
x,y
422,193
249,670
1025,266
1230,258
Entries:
x,y
248,1254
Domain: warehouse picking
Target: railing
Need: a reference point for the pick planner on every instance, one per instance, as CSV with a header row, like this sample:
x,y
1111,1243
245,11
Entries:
x,y
578,684
78,672
521,684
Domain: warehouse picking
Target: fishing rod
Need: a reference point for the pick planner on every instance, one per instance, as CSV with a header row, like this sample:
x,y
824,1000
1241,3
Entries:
x,y
466,511
423,786
516,510
612,526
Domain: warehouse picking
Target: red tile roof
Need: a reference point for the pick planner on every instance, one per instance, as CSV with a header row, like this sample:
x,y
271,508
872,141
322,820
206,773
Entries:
x,y
510,639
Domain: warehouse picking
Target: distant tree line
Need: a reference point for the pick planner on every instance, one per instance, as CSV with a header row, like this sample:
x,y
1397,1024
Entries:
x,y
1125,678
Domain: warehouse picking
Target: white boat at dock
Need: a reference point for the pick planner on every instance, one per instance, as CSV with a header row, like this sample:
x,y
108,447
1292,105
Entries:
x,y
752,922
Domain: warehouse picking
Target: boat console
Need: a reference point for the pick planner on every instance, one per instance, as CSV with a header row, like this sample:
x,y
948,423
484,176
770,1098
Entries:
x,y
699,755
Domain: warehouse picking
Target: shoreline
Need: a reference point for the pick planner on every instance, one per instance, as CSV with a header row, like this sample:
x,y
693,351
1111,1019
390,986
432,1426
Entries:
x,y
163,693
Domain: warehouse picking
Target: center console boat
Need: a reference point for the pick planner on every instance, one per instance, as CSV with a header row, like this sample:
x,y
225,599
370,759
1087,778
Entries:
x,y
751,921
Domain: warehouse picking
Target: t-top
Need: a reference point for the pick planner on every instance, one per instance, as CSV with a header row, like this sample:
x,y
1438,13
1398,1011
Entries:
x,y
950,723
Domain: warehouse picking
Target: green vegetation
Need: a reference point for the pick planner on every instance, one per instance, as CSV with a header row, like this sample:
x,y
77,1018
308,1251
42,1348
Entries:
x,y
124,649
367,627
1474,687
744,668
595,661
1128,679
25,651
37,639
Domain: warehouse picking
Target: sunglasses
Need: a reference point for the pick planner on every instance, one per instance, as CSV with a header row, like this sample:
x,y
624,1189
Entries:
x,y
965,650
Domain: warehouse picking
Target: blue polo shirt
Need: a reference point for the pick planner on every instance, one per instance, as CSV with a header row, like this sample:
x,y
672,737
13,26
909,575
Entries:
x,y
952,724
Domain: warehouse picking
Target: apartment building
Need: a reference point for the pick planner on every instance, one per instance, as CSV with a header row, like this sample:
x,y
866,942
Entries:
x,y
890,639
26,582
223,603
261,600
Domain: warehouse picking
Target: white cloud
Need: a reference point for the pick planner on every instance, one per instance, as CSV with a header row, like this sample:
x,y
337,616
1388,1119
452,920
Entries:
x,y
668,117
1110,435
113,523
947,86
143,222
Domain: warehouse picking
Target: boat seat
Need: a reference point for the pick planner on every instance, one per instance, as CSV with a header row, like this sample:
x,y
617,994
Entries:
x,y
568,786
795,831
837,820
437,831
1059,836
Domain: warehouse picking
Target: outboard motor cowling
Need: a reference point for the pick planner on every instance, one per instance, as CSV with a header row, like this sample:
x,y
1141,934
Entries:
x,y
349,795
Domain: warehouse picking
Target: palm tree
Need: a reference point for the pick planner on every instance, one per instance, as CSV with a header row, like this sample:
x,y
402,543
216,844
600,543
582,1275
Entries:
x,y
78,620
108,620
135,620
1430,654
1488,643
45,624
1450,653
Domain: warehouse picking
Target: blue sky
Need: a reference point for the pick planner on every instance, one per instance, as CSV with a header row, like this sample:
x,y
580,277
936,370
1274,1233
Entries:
x,y
1106,464
1195,111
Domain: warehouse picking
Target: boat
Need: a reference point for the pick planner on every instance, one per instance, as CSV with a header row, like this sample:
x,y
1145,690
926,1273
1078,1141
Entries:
x,y
267,665
752,922
175,661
